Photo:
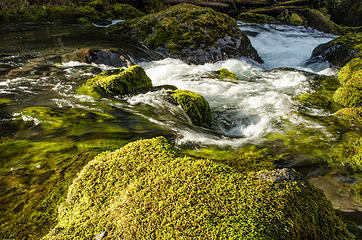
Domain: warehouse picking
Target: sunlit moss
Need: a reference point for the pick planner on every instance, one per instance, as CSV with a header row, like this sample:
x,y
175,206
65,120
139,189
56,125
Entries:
x,y
196,107
223,73
130,81
348,96
353,115
145,190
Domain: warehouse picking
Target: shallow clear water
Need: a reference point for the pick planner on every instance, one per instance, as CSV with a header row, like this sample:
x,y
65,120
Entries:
x,y
254,109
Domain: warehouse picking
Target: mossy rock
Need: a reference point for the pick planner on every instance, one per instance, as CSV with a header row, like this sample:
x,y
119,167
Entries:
x,y
195,106
145,190
194,34
249,17
352,115
223,73
348,153
295,19
110,57
351,73
341,50
321,95
130,81
348,96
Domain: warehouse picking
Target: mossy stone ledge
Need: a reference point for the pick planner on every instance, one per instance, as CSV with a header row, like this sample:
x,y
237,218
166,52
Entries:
x,y
146,190
351,73
194,34
195,106
340,50
129,81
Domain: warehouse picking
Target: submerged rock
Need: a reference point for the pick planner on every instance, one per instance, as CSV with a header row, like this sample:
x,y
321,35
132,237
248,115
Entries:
x,y
130,81
194,34
110,57
146,190
341,50
196,107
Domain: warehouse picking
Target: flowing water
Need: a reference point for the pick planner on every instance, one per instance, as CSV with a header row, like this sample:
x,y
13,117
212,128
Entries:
x,y
259,108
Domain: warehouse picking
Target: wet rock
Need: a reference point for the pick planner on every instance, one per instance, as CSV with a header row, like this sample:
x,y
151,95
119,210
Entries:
x,y
193,34
110,57
196,107
279,176
341,50
130,81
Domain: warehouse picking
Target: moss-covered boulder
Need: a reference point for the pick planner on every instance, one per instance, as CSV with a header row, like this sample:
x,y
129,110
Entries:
x,y
146,190
321,93
348,96
130,81
351,115
351,73
223,73
195,106
341,50
194,34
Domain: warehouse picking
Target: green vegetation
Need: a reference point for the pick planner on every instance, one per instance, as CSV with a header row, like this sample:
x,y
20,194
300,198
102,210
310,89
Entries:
x,y
146,190
223,73
348,97
184,28
24,10
348,153
352,115
321,95
196,107
129,81
249,17
351,73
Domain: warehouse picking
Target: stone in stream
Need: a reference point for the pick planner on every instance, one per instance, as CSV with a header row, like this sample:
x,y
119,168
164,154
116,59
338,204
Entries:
x,y
122,82
340,50
196,107
194,34
148,190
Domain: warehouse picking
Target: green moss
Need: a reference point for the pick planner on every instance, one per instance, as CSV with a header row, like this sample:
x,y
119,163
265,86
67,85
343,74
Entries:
x,y
353,115
85,10
145,190
124,11
351,73
5,101
34,180
196,107
249,17
348,96
183,28
322,94
181,25
295,19
348,153
223,73
130,81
